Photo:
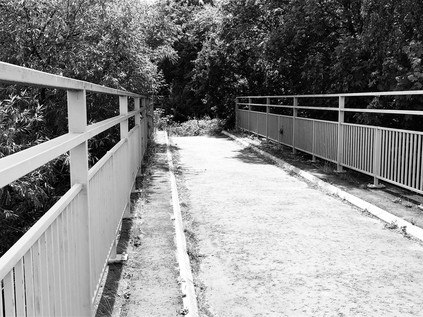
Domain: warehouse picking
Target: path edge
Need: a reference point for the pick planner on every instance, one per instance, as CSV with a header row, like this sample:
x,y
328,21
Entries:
x,y
186,279
380,213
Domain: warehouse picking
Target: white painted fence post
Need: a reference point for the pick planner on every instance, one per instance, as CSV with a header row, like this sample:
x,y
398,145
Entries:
x,y
377,147
144,124
123,109
124,134
236,114
341,119
313,146
77,118
138,125
267,118
249,110
294,116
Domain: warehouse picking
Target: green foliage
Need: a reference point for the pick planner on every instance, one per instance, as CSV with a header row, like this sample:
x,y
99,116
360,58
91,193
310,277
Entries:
x,y
108,42
24,201
294,47
194,127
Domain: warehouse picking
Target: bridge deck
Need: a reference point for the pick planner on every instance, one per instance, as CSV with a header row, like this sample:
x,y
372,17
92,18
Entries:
x,y
271,245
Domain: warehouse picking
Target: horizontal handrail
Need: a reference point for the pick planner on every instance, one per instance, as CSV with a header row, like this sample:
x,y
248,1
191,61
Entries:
x,y
16,165
383,111
18,250
13,74
354,94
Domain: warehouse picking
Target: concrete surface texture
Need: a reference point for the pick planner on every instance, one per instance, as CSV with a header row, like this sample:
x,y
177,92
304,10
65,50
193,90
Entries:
x,y
271,245
152,270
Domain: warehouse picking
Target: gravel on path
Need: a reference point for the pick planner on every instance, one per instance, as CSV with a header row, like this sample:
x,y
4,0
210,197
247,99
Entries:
x,y
271,245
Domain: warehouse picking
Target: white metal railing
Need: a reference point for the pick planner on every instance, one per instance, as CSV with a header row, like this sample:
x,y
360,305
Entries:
x,y
391,155
56,267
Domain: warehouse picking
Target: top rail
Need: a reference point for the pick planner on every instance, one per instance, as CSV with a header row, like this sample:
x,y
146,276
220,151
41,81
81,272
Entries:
x,y
12,74
355,94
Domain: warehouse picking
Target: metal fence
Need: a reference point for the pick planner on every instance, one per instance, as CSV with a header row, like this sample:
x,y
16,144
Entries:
x,y
388,154
55,269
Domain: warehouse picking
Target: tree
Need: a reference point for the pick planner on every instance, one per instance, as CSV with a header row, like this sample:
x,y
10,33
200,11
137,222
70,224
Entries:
x,y
107,42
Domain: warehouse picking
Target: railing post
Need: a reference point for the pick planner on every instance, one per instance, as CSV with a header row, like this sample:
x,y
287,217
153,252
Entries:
x,y
149,115
143,126
124,134
377,147
236,114
294,116
123,110
267,118
77,120
341,106
139,127
313,146
249,110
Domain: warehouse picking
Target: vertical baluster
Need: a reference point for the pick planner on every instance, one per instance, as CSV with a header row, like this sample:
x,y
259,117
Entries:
x,y
29,283
20,288
37,278
1,299
57,253
52,272
9,294
45,278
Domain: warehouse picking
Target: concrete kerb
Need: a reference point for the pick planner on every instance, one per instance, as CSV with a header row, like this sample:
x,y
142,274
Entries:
x,y
186,279
333,190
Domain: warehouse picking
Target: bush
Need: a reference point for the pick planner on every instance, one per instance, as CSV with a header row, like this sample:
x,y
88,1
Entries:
x,y
193,127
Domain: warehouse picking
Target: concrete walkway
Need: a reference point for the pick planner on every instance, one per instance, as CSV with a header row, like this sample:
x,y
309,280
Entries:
x,y
271,245
151,274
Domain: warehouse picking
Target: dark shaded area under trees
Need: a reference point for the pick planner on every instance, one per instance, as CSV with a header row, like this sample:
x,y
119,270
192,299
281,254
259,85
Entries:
x,y
195,57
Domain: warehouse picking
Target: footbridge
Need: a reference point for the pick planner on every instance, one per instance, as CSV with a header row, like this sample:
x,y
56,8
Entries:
x,y
264,238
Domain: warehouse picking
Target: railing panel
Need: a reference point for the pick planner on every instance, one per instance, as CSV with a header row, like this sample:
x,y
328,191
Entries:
x,y
261,124
135,148
304,134
243,119
326,139
285,126
48,268
253,127
358,147
401,160
273,127
102,211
